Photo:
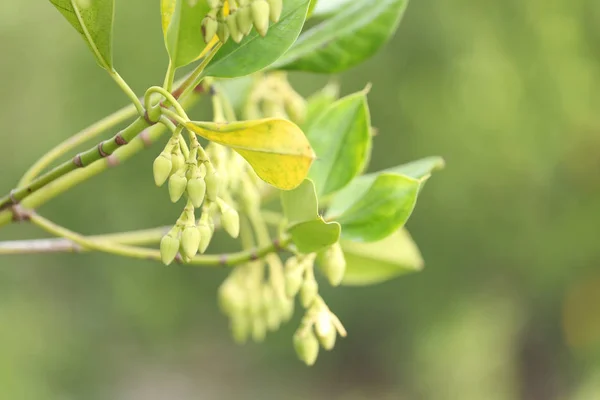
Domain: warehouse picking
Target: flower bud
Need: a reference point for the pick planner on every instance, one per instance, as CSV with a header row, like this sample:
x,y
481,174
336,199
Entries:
x,y
214,4
209,27
177,161
234,31
231,222
162,168
308,292
286,308
196,188
275,7
205,236
259,9
259,330
232,298
333,264
190,241
169,247
293,282
213,185
325,330
295,107
177,185
240,327
222,31
306,346
244,20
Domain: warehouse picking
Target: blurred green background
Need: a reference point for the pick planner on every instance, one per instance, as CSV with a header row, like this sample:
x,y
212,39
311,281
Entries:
x,y
508,306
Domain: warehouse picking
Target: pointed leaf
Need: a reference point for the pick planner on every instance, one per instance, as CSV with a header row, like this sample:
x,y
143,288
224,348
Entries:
x,y
419,169
316,235
381,210
255,52
276,148
93,19
355,32
341,139
300,204
371,263
182,29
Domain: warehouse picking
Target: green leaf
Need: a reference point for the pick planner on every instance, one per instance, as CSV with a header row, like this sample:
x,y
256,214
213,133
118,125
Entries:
x,y
93,19
276,148
182,29
382,209
300,204
319,102
255,52
354,33
311,7
341,139
419,169
328,7
371,263
315,235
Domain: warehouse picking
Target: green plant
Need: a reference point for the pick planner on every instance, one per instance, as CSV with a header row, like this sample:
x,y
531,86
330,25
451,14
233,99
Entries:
x,y
260,145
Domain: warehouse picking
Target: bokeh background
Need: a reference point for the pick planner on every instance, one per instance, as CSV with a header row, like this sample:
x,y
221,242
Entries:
x,y
508,306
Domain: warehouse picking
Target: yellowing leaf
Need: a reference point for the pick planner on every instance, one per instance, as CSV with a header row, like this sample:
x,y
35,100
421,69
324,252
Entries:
x,y
276,148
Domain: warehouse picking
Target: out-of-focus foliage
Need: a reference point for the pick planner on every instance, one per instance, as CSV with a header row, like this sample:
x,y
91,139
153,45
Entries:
x,y
505,308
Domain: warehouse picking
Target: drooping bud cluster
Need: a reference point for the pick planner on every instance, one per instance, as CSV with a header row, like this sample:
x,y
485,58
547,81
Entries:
x,y
198,178
253,305
319,326
333,264
273,96
235,18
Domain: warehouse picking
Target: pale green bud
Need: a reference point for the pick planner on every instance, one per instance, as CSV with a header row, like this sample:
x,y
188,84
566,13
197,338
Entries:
x,y
306,346
286,308
295,107
177,185
214,4
235,33
273,318
222,31
333,264
210,25
293,281
205,236
177,161
308,292
325,330
244,20
162,168
196,189
275,7
190,240
169,247
259,9
231,222
259,330
232,298
240,328
213,185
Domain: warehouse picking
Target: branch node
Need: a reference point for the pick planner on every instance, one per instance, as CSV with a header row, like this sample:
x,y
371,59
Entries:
x,y
20,214
120,140
101,150
112,161
77,161
145,138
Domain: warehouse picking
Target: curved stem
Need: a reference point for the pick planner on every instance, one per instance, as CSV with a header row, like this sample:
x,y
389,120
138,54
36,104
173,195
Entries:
x,y
128,91
230,259
169,97
174,116
169,77
79,138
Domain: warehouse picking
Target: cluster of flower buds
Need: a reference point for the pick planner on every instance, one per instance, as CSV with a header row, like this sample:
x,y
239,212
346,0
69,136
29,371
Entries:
x,y
254,306
198,178
319,326
333,264
273,96
300,278
235,18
